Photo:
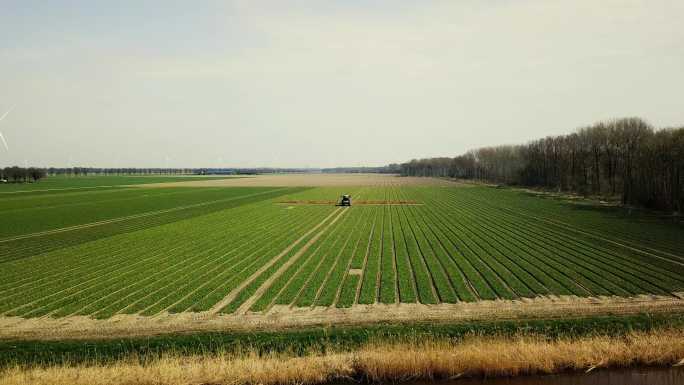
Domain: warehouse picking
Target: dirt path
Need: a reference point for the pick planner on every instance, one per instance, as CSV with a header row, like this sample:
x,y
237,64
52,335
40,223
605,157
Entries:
x,y
280,317
231,296
262,289
362,271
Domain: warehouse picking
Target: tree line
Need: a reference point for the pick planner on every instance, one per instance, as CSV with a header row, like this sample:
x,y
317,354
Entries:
x,y
17,174
85,171
33,174
623,158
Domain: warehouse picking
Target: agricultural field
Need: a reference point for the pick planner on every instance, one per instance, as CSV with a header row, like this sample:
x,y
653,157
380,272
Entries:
x,y
220,250
61,183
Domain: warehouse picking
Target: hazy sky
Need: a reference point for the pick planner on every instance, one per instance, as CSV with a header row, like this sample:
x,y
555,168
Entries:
x,y
324,83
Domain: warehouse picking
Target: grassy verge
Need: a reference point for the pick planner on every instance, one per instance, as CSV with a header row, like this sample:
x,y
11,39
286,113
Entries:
x,y
383,362
319,340
52,183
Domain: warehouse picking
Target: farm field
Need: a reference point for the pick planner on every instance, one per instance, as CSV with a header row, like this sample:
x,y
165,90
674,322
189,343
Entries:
x,y
243,250
56,183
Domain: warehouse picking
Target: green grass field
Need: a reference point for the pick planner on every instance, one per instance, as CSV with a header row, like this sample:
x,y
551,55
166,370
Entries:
x,y
56,183
102,252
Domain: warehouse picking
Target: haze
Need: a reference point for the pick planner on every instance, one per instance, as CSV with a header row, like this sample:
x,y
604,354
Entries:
x,y
320,84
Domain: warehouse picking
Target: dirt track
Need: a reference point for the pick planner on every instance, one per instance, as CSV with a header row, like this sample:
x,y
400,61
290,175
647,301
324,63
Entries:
x,y
309,180
280,317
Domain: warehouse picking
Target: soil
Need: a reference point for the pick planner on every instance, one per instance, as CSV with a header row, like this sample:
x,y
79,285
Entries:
x,y
283,317
310,180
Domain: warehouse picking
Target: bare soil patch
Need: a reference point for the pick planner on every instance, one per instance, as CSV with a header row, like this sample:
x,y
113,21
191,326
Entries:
x,y
311,180
284,317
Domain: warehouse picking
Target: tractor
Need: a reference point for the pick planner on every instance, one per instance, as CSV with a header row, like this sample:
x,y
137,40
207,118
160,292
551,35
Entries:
x,y
345,200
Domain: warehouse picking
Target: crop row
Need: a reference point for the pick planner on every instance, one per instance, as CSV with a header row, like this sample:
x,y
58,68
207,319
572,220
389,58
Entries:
x,y
248,252
459,247
636,228
21,220
579,259
95,256
17,249
631,266
169,257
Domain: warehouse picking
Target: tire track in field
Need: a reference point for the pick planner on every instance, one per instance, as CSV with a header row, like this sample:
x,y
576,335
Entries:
x,y
320,289
255,252
336,214
334,263
395,270
349,263
310,276
301,270
378,274
362,277
247,305
129,217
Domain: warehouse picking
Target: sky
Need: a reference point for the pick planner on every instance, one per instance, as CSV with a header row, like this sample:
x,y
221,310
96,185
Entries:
x,y
252,83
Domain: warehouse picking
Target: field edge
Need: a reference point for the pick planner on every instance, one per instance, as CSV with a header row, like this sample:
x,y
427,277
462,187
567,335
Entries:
x,y
443,350
285,318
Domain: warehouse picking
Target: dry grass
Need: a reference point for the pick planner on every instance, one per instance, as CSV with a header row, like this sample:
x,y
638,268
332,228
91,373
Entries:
x,y
281,317
474,356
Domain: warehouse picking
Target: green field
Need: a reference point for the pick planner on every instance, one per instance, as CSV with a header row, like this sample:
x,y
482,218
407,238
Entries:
x,y
56,183
226,250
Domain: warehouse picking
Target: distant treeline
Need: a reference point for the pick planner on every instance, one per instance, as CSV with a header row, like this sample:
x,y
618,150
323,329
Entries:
x,y
391,169
32,174
624,158
79,171
84,171
21,174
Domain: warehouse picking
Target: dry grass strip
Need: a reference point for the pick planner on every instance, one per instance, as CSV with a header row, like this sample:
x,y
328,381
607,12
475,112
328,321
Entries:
x,y
282,316
473,356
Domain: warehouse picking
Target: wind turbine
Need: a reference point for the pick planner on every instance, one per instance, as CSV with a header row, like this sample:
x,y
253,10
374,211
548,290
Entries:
x,y
2,137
